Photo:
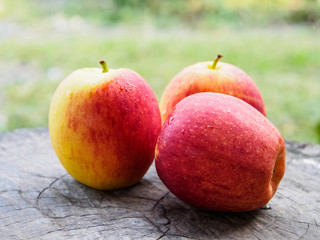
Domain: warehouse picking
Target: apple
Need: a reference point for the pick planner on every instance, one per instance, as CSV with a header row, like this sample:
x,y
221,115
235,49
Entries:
x,y
206,77
104,126
216,152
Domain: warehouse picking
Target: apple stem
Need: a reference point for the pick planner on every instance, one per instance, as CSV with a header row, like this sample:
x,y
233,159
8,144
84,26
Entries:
x,y
104,66
215,61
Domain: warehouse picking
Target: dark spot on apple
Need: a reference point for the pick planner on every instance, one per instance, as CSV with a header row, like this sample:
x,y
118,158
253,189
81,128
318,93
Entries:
x,y
97,107
113,122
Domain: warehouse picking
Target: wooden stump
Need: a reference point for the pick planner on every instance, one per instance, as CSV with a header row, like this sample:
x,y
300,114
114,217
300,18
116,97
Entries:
x,y
39,200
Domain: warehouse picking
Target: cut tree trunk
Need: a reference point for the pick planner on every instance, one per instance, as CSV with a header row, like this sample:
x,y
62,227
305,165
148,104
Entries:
x,y
39,200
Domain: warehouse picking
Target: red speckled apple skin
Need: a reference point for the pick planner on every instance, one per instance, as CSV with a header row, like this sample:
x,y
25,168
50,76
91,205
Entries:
x,y
105,135
217,152
227,79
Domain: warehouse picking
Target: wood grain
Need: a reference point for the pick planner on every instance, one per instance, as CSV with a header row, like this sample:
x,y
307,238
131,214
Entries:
x,y
39,200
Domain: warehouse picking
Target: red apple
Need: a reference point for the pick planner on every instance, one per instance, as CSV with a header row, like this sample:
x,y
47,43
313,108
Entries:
x,y
104,126
217,152
206,77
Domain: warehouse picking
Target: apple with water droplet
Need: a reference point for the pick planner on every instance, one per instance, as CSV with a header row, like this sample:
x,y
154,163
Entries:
x,y
103,126
211,77
218,153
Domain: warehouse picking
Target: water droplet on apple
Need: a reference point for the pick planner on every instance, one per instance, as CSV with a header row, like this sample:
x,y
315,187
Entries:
x,y
68,93
266,207
183,131
171,120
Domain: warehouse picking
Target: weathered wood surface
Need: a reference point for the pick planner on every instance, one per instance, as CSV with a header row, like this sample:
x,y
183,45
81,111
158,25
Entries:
x,y
39,200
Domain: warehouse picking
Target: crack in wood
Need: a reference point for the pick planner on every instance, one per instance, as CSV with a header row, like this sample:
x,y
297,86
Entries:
x,y
305,233
42,211
286,230
254,233
156,204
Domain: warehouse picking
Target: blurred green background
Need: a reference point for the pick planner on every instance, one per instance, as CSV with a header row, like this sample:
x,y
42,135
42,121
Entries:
x,y
276,42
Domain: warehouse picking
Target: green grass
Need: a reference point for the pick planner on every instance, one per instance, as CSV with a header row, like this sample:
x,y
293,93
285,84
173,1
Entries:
x,y
199,13
284,62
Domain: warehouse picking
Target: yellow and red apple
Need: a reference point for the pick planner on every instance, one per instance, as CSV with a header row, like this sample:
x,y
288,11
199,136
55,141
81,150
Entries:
x,y
217,77
217,152
103,126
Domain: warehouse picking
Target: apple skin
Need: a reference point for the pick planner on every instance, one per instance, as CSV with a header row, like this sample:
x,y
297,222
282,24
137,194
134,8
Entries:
x,y
218,153
104,127
226,78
